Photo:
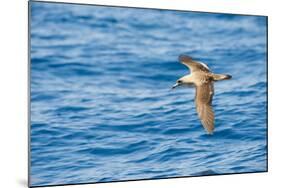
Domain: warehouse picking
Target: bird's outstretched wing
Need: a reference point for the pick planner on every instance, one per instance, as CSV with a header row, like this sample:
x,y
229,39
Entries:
x,y
192,64
203,100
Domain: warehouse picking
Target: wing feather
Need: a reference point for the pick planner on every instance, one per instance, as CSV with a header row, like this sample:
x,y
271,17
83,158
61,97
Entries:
x,y
192,64
203,100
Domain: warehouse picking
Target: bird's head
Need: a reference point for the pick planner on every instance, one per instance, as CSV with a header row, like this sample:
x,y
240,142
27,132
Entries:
x,y
179,82
184,81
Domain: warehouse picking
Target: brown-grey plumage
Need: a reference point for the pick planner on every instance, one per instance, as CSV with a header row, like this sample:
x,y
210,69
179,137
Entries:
x,y
203,101
193,65
203,79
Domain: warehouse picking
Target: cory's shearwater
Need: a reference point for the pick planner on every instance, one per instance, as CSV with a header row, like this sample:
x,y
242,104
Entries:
x,y
203,79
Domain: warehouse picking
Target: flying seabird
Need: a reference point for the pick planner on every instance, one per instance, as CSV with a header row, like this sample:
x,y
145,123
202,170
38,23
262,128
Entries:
x,y
203,79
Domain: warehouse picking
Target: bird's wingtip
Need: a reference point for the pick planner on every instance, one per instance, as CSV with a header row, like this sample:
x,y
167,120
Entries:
x,y
184,58
210,131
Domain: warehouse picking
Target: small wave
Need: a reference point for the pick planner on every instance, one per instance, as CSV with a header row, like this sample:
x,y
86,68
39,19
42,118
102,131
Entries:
x,y
259,85
43,97
178,131
204,173
73,109
239,93
113,151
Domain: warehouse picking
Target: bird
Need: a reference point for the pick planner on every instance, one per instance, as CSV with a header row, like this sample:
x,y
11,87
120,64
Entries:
x,y
203,80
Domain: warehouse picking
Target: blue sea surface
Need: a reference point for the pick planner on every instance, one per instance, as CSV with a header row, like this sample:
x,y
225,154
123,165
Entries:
x,y
101,105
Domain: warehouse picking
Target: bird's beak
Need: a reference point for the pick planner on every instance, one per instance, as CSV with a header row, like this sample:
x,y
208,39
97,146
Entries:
x,y
174,86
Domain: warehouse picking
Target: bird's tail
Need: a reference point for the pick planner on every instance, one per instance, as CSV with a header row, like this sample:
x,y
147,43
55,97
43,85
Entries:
x,y
218,77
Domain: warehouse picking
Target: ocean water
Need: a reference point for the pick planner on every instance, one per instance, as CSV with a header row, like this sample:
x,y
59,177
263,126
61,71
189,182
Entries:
x,y
101,105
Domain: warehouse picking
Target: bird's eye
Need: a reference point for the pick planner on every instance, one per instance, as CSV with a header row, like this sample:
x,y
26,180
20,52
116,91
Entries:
x,y
179,81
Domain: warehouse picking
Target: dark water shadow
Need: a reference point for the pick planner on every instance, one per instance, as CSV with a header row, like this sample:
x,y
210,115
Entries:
x,y
205,172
